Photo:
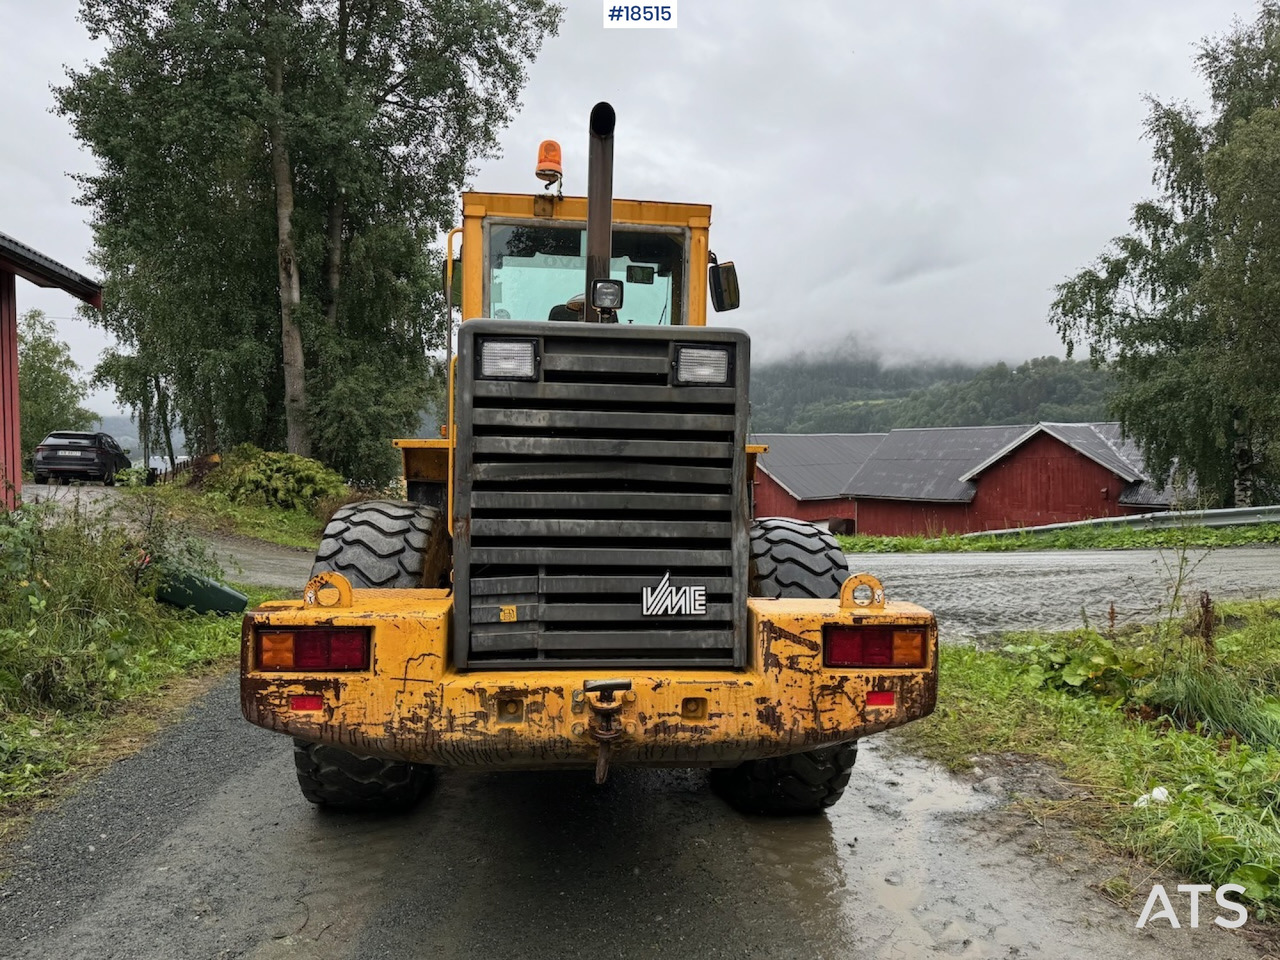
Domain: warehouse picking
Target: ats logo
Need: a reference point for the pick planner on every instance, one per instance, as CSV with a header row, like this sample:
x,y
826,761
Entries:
x,y
664,600
1158,897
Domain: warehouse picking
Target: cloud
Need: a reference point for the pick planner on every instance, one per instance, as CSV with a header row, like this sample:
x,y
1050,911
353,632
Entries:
x,y
919,175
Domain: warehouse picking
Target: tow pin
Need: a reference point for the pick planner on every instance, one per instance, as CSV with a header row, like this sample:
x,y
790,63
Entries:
x,y
605,710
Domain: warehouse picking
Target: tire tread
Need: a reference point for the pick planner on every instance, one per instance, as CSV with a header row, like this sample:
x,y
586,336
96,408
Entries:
x,y
791,558
798,783
336,778
377,543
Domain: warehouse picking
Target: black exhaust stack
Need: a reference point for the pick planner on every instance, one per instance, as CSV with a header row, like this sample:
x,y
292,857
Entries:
x,y
599,203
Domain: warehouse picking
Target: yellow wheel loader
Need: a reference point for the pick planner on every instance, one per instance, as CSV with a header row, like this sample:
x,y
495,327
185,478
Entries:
x,y
576,579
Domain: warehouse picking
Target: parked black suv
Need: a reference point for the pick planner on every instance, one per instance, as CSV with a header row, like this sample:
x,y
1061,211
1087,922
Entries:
x,y
66,454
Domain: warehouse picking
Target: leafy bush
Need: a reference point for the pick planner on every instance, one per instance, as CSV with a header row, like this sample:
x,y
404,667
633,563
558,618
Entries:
x,y
254,477
81,632
1083,660
1220,686
79,626
132,477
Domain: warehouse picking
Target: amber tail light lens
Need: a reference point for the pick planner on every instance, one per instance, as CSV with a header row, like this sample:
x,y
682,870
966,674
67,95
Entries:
x,y
873,646
313,648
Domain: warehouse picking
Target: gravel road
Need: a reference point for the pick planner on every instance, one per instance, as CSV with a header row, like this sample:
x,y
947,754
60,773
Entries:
x,y
974,594
200,845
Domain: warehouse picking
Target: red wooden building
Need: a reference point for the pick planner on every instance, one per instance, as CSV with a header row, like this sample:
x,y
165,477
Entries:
x,y
966,479
803,475
19,260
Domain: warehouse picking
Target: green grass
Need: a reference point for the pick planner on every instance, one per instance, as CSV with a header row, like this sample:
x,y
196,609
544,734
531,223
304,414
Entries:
x,y
1073,538
213,512
84,646
41,744
1120,716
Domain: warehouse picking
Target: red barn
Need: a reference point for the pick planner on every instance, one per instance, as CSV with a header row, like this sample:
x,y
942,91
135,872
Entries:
x,y
19,260
803,475
966,479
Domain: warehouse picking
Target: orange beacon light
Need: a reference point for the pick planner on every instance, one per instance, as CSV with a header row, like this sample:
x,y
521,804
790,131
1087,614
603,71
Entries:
x,y
549,168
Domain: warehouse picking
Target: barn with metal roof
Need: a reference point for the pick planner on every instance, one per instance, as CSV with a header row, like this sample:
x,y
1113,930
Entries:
x,y
956,479
803,475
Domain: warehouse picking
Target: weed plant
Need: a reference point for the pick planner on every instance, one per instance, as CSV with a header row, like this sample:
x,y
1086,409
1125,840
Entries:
x,y
1190,705
80,630
277,498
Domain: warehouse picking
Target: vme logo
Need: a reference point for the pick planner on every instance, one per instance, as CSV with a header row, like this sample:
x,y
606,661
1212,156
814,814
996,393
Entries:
x,y
664,600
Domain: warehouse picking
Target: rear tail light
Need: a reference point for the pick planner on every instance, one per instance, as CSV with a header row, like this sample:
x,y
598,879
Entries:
x,y
874,646
313,648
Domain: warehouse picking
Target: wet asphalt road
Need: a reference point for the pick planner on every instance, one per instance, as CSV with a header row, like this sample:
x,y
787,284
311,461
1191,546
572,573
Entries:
x,y
201,847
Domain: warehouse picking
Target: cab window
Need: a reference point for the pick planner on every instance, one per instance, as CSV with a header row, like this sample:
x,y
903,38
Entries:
x,y
535,268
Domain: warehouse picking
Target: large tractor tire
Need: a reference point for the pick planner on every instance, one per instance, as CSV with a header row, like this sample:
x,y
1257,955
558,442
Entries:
x,y
334,778
798,783
385,544
381,544
791,559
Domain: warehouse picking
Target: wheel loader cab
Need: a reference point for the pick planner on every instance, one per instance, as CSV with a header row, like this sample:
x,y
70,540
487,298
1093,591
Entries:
x,y
576,578
533,270
526,255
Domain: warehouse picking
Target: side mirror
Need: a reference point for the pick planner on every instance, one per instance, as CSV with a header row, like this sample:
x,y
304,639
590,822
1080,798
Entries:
x,y
451,281
723,278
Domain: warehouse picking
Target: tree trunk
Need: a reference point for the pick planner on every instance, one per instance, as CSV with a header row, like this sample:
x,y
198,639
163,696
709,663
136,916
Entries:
x,y
333,257
166,425
337,205
1241,467
295,383
209,432
144,430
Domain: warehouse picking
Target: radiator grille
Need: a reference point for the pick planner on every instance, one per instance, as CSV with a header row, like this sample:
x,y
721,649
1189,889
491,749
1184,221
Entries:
x,y
578,491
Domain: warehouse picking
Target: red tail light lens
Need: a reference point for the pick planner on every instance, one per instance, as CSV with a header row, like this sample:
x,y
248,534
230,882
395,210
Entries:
x,y
873,646
313,648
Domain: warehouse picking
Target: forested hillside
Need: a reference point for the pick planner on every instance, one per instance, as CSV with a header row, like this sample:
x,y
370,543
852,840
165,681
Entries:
x,y
862,395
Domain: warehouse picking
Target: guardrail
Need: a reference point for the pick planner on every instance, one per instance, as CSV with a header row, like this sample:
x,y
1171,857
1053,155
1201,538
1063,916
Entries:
x,y
1164,520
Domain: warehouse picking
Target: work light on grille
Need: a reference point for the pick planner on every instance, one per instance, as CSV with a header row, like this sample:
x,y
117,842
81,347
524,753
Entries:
x,y
508,360
702,365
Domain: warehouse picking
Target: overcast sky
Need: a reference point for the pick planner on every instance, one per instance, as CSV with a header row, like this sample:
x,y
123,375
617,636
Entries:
x,y
915,176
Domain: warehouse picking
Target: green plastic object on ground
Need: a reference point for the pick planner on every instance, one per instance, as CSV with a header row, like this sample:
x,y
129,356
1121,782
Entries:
x,y
200,594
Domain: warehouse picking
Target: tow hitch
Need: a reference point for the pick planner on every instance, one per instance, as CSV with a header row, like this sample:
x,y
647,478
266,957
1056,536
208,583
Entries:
x,y
604,726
